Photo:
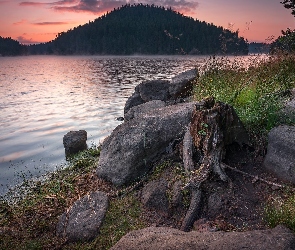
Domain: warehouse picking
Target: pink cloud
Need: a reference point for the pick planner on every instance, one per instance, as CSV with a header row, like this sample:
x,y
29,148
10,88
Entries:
x,y
27,41
178,5
23,21
50,23
101,6
93,6
62,2
32,4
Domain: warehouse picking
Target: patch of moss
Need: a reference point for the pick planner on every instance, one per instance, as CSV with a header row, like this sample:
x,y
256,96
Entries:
x,y
122,217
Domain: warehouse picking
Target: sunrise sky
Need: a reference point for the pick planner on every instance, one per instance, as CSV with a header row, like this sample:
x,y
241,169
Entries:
x,y
40,20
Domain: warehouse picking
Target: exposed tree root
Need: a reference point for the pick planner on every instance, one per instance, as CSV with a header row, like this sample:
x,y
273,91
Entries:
x,y
194,209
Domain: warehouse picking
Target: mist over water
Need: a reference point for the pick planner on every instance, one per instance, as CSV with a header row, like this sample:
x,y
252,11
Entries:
x,y
44,97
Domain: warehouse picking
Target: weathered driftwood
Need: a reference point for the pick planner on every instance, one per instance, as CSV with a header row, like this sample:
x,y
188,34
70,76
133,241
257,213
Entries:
x,y
213,126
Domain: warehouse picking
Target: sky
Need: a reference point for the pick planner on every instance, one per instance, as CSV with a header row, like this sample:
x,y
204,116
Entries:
x,y
35,21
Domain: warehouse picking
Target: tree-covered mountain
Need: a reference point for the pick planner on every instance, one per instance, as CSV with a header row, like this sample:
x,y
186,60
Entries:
x,y
144,29
10,47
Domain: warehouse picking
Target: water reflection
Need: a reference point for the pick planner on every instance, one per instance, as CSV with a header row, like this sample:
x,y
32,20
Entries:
x,y
44,97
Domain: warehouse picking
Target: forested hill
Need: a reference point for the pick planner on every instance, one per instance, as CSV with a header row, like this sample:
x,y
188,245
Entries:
x,y
144,29
10,47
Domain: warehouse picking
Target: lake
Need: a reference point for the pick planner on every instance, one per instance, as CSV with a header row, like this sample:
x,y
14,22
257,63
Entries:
x,y
44,97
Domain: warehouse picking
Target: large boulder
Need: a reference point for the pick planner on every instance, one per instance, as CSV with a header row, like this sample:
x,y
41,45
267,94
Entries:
x,y
83,220
280,157
142,109
128,152
169,238
75,141
179,87
134,100
182,84
148,91
153,90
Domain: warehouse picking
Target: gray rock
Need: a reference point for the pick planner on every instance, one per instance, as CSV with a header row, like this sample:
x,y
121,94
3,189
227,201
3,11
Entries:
x,y
169,238
154,196
120,119
128,152
75,141
148,91
280,157
182,84
142,109
133,101
153,90
287,113
83,220
180,87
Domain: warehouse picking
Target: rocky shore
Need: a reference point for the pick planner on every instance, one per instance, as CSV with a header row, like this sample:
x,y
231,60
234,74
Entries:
x,y
191,165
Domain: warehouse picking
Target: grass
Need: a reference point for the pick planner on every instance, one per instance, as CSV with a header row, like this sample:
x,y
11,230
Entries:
x,y
281,211
30,223
122,217
257,93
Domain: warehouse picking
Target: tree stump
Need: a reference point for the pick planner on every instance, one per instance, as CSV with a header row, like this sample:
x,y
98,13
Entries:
x,y
213,126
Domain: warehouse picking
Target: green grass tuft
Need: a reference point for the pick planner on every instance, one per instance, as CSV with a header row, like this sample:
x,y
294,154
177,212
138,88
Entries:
x,y
281,212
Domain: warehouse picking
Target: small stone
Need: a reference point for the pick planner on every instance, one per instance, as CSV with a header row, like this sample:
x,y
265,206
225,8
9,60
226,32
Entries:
x,y
120,119
75,141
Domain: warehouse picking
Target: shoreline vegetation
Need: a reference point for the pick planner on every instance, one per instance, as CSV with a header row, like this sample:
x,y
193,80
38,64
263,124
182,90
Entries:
x,y
257,94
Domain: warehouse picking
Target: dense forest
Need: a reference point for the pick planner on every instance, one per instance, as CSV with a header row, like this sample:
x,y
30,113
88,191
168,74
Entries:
x,y
10,47
144,29
284,43
258,48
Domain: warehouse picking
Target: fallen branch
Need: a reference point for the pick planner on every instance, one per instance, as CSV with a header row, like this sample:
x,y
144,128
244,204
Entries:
x,y
253,176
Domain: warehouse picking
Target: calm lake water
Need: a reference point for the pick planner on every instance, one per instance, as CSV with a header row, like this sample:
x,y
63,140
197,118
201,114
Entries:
x,y
44,97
